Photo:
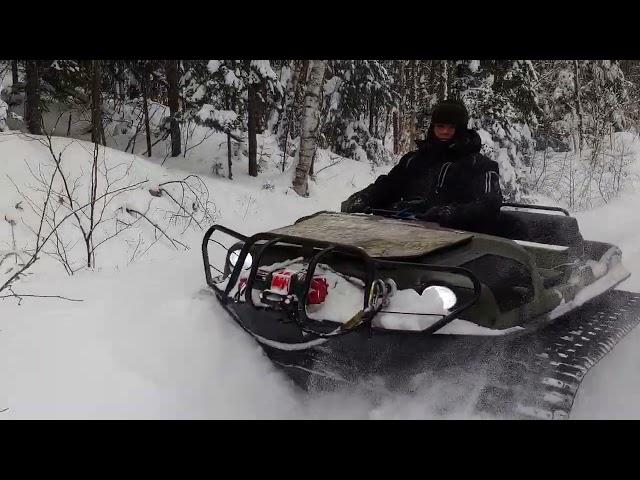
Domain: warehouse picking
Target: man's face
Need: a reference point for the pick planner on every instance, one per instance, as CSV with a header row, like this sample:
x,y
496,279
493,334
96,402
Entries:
x,y
444,131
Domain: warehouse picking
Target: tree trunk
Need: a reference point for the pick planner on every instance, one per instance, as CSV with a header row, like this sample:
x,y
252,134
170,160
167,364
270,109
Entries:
x,y
229,162
576,87
402,110
288,103
97,129
252,113
432,76
32,107
371,112
119,81
386,125
117,88
145,108
396,136
420,83
14,71
313,161
443,91
174,105
261,106
304,73
413,85
411,81
310,124
294,124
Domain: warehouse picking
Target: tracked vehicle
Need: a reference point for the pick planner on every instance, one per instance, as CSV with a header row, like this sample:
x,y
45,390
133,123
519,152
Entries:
x,y
370,300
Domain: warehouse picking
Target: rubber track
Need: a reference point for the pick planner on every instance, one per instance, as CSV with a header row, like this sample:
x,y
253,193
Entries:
x,y
532,376
539,377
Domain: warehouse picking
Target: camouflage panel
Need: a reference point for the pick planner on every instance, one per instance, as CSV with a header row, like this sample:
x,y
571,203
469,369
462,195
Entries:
x,y
380,237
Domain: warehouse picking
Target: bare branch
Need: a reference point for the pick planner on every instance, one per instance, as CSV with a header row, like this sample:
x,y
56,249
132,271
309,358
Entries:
x,y
19,296
69,215
182,207
173,241
330,165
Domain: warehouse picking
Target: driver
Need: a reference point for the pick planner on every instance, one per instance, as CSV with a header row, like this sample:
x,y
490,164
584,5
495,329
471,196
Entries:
x,y
446,180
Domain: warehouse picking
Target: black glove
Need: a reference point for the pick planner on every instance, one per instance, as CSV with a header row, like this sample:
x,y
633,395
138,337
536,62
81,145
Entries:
x,y
355,204
441,214
414,206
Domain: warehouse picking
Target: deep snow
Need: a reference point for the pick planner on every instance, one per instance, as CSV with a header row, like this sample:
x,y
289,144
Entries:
x,y
149,340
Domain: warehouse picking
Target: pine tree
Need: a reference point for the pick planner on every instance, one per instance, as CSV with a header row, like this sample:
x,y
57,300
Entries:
x,y
587,100
355,99
218,93
502,100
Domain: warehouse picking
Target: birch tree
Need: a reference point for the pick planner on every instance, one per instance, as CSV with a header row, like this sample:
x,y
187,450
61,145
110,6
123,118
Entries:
x,y
310,124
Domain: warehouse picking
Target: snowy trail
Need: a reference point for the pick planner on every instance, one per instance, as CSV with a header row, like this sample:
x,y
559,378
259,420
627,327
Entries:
x,y
141,345
152,342
149,340
611,389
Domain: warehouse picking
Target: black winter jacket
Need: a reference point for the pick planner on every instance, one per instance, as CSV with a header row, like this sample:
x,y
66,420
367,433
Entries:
x,y
453,174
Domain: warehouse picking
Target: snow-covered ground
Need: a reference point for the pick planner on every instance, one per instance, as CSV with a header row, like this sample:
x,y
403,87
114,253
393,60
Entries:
x,y
148,340
612,388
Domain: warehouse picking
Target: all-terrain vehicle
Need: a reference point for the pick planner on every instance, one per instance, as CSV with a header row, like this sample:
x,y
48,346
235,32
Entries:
x,y
339,299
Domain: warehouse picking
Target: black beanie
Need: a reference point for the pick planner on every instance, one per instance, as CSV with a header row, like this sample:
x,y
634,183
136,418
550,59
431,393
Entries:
x,y
450,111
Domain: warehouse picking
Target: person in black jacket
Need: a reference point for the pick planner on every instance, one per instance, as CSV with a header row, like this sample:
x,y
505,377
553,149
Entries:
x,y
447,180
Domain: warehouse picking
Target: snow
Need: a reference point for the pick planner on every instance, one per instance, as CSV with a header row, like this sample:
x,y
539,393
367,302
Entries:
x,y
343,301
223,117
213,66
617,274
345,298
232,80
611,389
463,327
4,108
411,305
405,310
264,68
199,93
149,340
545,246
138,346
602,176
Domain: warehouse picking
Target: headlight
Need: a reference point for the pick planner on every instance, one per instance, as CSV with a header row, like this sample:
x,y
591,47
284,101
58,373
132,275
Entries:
x,y
447,296
233,258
